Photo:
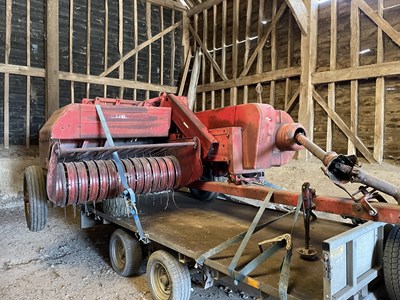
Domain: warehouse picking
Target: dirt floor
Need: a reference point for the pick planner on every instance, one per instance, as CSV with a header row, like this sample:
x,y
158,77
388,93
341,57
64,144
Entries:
x,y
66,262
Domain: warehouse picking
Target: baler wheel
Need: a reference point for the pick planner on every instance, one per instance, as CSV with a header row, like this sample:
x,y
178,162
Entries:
x,y
167,278
35,198
125,253
116,207
391,260
204,195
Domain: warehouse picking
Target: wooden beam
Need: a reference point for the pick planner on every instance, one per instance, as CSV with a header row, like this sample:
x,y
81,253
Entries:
x,y
249,11
378,20
355,62
292,100
121,44
207,54
135,44
223,51
106,42
290,46
185,36
194,79
88,29
332,66
172,70
174,5
70,48
28,78
22,70
185,73
343,127
272,93
202,6
140,47
361,72
251,80
235,36
264,38
203,62
379,128
52,102
148,27
299,11
260,58
7,50
116,82
308,63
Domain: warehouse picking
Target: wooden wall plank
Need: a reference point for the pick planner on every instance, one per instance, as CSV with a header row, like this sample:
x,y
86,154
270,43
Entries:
x,y
300,14
332,66
28,78
379,128
88,44
272,93
354,61
52,83
121,44
71,47
308,63
7,49
148,26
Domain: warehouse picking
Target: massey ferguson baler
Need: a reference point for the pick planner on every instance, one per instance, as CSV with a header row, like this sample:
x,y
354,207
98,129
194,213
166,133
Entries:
x,y
110,150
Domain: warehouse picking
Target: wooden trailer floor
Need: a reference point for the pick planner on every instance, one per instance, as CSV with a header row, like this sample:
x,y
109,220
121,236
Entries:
x,y
192,227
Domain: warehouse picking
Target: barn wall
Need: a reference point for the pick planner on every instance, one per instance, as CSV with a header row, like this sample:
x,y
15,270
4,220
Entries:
x,y
23,112
277,68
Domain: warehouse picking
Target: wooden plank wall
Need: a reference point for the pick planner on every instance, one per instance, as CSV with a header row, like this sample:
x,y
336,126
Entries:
x,y
346,54
108,48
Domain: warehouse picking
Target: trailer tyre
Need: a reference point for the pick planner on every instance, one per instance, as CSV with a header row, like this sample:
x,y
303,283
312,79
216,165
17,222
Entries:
x,y
167,277
391,260
35,198
125,253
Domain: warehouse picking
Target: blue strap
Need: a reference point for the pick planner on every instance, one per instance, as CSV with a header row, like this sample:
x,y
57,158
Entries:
x,y
128,192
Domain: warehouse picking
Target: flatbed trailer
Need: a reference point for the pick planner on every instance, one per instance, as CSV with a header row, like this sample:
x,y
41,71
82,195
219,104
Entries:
x,y
188,228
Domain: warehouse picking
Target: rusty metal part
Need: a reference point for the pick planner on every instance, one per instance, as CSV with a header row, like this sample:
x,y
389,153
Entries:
x,y
344,168
389,213
307,252
79,182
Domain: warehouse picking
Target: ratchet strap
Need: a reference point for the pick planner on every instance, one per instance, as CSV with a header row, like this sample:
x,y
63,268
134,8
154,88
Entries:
x,y
128,192
277,244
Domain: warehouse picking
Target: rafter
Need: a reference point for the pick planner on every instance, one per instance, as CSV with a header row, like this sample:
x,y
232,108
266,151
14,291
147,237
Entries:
x,y
299,11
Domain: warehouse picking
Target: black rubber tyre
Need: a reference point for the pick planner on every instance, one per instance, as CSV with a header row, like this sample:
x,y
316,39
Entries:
x,y
203,195
116,207
35,198
391,260
167,278
125,253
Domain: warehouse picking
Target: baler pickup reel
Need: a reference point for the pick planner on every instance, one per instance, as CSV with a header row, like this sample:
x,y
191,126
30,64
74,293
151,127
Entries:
x,y
342,169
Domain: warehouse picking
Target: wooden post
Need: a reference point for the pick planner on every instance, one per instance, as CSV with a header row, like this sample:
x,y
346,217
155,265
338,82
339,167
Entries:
x,y
6,114
28,78
52,101
121,44
332,64
272,93
308,62
172,76
88,44
261,19
214,43
162,46
203,65
70,47
148,26
105,41
185,36
135,43
223,50
288,83
235,34
354,59
379,128
247,45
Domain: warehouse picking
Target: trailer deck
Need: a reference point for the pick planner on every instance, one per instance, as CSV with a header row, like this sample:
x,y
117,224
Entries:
x,y
192,227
